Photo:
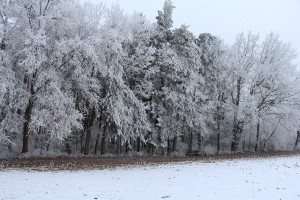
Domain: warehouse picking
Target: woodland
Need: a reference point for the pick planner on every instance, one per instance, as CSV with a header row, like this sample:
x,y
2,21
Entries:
x,y
83,79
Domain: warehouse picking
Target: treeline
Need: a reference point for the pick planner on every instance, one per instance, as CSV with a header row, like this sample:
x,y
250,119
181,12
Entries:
x,y
86,79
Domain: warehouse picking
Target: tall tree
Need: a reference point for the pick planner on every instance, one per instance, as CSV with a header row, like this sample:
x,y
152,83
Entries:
x,y
214,56
48,109
123,113
242,62
162,64
185,98
273,82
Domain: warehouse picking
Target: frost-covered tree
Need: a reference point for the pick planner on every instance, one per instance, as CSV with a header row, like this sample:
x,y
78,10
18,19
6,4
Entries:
x,y
124,115
163,62
273,85
47,108
241,63
86,76
138,66
9,93
82,61
7,86
185,98
164,17
214,57
176,103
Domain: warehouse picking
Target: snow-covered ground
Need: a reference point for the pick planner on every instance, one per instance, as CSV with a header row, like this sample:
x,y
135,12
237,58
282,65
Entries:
x,y
271,178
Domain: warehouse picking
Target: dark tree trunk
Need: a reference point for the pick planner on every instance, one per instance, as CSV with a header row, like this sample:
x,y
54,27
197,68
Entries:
x,y
87,141
132,142
235,131
257,136
82,141
27,119
103,148
169,147
199,142
138,145
98,135
150,148
218,129
191,143
174,144
96,144
126,146
119,144
88,126
218,142
238,129
103,141
297,139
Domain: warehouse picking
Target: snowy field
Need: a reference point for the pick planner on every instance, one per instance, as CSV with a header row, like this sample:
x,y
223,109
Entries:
x,y
259,179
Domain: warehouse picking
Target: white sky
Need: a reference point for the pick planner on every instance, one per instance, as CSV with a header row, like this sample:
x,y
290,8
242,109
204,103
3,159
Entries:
x,y
227,18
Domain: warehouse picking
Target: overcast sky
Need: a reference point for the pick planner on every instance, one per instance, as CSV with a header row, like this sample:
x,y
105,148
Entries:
x,y
227,18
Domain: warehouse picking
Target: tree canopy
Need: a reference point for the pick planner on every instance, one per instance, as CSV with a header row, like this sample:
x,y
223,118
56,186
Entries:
x,y
82,78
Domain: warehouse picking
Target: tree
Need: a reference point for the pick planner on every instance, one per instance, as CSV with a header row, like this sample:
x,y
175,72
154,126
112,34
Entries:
x,y
186,100
164,17
273,82
214,56
9,92
160,65
124,115
138,68
7,85
48,109
242,61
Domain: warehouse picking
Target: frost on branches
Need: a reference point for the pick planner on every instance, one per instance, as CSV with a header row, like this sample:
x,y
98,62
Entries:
x,y
80,78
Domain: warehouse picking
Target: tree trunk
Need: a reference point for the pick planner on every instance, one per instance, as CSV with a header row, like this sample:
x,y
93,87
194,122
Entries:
x,y
234,143
27,119
244,143
96,144
191,143
88,126
174,144
138,144
169,147
103,140
257,136
297,139
82,141
238,129
126,147
119,144
100,128
218,142
199,142
236,101
218,130
148,148
87,141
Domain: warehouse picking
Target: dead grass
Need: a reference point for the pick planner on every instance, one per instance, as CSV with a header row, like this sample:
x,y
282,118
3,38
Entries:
x,y
85,163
